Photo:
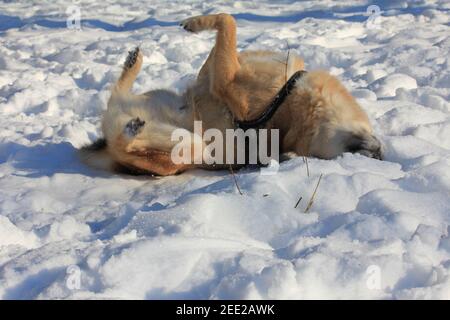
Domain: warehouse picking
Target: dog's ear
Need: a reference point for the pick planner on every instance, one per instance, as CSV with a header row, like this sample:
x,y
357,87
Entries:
x,y
365,144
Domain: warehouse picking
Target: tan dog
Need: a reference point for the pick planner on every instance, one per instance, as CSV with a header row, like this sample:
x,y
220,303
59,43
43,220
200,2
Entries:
x,y
318,118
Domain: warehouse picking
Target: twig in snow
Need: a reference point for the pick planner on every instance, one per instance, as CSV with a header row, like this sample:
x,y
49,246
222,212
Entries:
x,y
298,202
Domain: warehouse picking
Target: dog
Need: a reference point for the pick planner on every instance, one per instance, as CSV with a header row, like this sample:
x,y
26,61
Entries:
x,y
318,117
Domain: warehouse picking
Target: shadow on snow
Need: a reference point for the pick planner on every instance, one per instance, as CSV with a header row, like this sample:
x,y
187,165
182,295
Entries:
x,y
351,14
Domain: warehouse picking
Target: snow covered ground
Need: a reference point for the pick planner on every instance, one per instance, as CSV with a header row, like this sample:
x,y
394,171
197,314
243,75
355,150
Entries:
x,y
376,230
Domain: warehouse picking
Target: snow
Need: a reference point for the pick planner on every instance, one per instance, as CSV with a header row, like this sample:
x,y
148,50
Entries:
x,y
376,229
388,86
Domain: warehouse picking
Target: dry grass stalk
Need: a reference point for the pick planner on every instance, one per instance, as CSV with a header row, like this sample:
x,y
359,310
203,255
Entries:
x,y
235,180
305,160
311,201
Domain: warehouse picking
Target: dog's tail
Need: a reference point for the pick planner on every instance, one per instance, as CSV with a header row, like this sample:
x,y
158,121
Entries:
x,y
96,155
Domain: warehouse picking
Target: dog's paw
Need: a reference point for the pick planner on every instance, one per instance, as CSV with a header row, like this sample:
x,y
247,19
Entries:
x,y
133,57
193,24
134,127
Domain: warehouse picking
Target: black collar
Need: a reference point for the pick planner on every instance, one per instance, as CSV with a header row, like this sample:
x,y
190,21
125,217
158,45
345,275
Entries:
x,y
274,105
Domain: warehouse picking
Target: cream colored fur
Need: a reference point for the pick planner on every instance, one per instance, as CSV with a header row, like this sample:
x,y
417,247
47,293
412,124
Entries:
x,y
319,118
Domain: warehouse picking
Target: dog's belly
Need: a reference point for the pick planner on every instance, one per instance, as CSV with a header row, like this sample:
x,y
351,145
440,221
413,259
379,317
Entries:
x,y
213,113
262,75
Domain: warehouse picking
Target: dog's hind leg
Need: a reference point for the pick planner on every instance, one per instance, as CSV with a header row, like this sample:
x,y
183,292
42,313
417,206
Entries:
x,y
131,68
222,64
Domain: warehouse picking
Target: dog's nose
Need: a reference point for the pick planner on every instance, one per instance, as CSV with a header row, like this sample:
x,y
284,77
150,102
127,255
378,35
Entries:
x,y
374,148
367,145
377,149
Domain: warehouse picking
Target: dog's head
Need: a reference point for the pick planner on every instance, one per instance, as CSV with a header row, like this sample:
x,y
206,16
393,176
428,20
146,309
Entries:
x,y
333,140
338,123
